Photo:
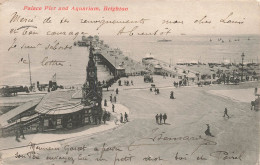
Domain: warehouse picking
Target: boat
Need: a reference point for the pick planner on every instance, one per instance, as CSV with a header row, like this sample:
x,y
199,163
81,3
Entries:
x,y
164,40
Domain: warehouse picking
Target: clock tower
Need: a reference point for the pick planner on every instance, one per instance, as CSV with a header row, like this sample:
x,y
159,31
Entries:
x,y
92,90
91,70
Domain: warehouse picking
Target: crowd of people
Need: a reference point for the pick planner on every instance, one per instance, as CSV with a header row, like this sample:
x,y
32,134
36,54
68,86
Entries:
x,y
106,116
156,90
113,99
126,82
160,117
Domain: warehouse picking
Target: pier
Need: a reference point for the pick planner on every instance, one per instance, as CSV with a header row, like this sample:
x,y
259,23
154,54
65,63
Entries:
x,y
112,58
117,63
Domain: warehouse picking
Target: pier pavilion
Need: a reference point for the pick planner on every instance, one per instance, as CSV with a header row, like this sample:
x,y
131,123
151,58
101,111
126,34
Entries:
x,y
61,109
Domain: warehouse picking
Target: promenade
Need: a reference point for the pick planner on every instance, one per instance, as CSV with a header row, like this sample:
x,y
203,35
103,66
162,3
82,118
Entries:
x,y
188,114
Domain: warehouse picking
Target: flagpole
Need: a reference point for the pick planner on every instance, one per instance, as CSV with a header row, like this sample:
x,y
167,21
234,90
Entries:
x,y
30,70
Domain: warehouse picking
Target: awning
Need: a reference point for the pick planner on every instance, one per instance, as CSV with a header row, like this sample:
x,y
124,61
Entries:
x,y
22,120
18,110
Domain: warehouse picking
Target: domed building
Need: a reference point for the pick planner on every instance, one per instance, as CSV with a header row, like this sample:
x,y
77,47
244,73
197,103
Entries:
x,y
61,109
70,109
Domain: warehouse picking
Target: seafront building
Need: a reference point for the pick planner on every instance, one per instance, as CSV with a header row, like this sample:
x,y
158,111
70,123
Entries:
x,y
61,109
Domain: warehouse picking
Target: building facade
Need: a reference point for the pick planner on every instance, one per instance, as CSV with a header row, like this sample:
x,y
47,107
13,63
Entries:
x,y
61,109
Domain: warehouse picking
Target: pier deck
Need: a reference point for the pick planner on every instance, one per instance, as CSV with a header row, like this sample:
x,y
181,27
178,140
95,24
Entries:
x,y
117,62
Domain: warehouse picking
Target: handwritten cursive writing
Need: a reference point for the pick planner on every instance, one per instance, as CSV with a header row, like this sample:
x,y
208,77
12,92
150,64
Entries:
x,y
229,20
18,18
224,155
102,22
46,62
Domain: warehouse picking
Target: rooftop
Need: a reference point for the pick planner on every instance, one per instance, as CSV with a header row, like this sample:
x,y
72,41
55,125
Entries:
x,y
59,102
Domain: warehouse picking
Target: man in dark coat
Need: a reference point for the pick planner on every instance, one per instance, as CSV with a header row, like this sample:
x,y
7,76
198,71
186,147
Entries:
x,y
116,90
207,132
171,95
157,118
160,118
126,116
21,132
105,117
113,108
115,99
105,102
164,117
225,113
111,98
121,118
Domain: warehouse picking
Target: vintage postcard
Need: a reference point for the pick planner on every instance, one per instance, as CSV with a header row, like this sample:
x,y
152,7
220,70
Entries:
x,y
129,82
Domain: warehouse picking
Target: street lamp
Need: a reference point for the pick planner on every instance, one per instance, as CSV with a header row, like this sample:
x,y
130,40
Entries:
x,y
242,56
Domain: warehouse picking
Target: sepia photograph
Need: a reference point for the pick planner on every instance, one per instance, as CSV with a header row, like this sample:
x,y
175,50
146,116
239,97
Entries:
x,y
121,82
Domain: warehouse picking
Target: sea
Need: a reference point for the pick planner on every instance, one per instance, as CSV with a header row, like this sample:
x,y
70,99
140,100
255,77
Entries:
x,y
183,48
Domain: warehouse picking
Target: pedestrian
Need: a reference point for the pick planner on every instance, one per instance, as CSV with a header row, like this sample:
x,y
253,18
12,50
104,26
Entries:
x,y
121,118
111,98
16,135
160,118
115,99
113,108
164,117
225,113
105,102
116,90
126,117
157,118
108,116
207,132
158,91
105,117
132,82
171,95
151,89
21,132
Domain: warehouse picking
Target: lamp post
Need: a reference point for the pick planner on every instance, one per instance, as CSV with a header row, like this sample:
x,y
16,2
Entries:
x,y
242,56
